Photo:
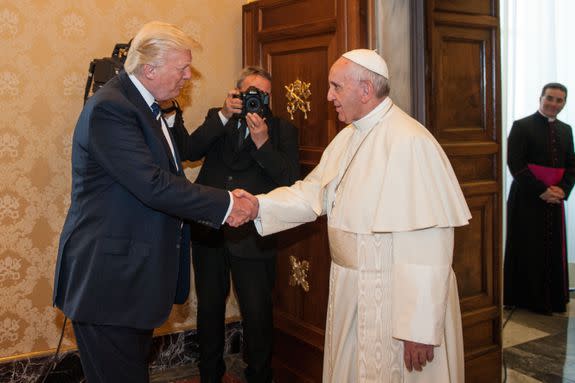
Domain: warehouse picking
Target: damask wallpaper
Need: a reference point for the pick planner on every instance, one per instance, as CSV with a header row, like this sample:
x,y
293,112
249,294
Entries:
x,y
47,46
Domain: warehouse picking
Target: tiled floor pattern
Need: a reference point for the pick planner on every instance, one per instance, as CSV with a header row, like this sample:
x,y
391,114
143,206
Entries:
x,y
539,348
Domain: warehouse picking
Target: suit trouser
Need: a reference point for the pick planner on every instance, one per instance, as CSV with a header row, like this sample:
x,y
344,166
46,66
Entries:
x,y
253,282
113,354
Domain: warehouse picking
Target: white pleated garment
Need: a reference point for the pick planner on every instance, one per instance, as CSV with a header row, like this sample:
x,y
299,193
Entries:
x,y
373,303
392,201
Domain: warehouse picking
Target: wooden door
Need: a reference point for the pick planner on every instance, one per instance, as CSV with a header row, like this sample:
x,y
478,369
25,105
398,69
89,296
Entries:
x,y
459,55
455,94
299,40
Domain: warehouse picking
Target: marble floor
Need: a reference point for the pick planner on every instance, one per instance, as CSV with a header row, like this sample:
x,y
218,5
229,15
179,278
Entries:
x,y
189,374
539,348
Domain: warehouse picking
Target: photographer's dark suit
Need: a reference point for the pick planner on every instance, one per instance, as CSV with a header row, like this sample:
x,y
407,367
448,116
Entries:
x,y
241,251
123,258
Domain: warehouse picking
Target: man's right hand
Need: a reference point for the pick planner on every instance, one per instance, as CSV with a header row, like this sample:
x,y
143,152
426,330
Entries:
x,y
245,208
232,104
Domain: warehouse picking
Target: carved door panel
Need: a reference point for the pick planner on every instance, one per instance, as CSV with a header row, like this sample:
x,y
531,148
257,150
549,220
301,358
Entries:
x,y
456,95
299,40
462,110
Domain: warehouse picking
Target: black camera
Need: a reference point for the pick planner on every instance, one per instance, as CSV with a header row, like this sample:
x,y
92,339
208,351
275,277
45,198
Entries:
x,y
254,101
101,70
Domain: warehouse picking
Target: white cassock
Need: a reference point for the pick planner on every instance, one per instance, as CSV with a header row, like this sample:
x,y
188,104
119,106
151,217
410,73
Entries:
x,y
392,201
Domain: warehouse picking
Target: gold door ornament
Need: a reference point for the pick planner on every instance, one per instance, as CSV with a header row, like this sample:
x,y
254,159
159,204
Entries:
x,y
297,94
299,273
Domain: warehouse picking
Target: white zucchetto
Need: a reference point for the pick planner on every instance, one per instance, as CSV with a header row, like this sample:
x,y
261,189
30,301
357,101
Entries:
x,y
369,59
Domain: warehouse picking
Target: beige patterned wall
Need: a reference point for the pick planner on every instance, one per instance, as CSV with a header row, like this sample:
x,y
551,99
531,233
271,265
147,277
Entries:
x,y
46,48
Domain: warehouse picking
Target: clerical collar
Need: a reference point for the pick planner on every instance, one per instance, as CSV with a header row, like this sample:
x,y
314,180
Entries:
x,y
373,117
550,119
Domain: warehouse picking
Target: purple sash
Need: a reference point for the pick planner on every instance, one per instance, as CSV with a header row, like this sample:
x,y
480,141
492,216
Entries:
x,y
549,176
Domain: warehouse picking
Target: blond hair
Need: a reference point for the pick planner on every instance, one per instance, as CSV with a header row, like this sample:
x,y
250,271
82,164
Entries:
x,y
151,44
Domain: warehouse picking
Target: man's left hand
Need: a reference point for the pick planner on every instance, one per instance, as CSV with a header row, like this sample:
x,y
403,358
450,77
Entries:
x,y
416,355
258,129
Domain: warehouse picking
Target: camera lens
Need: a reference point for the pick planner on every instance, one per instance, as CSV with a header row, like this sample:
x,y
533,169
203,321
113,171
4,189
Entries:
x,y
254,100
253,105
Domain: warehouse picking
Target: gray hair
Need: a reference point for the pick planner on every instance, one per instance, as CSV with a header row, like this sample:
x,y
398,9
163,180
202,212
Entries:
x,y
380,83
151,44
252,71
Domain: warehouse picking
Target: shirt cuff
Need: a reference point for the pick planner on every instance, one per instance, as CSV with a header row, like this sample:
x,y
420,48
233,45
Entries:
x,y
223,118
229,207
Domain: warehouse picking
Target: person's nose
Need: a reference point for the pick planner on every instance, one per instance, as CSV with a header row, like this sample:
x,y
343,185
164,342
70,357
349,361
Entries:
x,y
554,104
330,95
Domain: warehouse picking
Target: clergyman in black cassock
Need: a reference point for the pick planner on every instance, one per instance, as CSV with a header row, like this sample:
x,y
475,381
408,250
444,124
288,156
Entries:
x,y
542,163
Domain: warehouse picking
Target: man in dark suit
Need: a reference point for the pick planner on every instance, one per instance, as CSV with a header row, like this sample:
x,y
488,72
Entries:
x,y
258,160
542,162
123,258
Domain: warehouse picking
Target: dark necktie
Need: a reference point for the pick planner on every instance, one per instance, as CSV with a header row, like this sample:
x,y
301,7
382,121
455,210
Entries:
x,y
242,130
155,109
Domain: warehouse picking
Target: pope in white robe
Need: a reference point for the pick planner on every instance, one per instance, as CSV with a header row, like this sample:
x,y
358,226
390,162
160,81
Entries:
x,y
392,201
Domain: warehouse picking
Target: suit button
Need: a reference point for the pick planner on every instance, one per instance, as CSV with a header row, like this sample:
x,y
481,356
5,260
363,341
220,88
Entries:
x,y
229,182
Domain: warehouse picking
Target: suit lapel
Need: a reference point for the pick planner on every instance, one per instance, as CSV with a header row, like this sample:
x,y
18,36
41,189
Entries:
x,y
153,126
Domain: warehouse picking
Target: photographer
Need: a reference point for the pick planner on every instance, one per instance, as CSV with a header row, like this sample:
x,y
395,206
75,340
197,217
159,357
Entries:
x,y
244,146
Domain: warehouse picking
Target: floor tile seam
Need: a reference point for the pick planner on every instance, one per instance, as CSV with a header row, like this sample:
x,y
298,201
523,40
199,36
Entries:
x,y
518,372
565,335
542,376
522,353
550,329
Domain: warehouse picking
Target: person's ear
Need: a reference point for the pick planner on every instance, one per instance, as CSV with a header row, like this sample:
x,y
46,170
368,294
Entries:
x,y
366,90
149,71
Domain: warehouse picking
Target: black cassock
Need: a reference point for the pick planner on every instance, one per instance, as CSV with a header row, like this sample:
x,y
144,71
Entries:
x,y
535,271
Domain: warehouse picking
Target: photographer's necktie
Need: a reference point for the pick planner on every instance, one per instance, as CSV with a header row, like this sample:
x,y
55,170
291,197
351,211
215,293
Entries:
x,y
242,130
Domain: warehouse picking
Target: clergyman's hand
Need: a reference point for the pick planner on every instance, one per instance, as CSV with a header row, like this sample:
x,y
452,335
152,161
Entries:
x,y
559,193
553,194
245,208
416,355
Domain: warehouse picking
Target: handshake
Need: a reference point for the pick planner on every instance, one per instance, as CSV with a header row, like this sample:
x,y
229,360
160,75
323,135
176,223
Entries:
x,y
245,208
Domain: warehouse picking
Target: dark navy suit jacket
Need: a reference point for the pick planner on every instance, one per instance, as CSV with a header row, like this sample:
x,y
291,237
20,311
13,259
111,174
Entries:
x,y
123,257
